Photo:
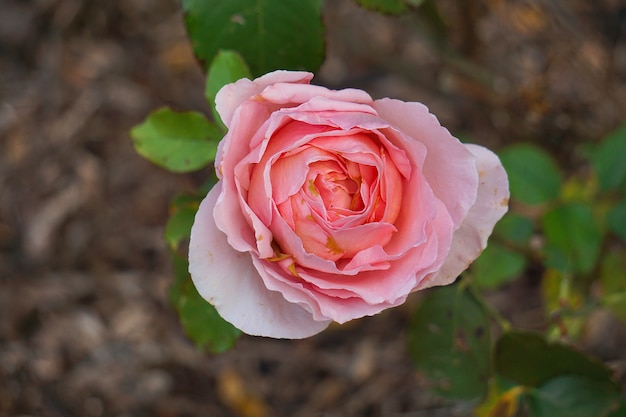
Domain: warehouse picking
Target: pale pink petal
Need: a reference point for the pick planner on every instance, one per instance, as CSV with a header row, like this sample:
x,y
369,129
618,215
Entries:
x,y
391,188
419,208
406,271
283,230
249,119
289,93
230,218
315,240
260,162
229,281
289,173
262,233
349,142
326,106
370,259
419,211
449,168
350,241
231,96
491,204
342,120
337,305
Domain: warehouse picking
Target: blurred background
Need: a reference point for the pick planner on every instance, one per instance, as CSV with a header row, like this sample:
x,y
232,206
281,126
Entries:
x,y
85,325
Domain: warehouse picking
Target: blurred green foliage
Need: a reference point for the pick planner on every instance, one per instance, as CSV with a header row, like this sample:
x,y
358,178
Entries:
x,y
570,227
269,35
449,340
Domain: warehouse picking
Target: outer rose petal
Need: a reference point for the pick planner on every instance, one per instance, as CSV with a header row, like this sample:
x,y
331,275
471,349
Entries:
x,y
228,280
449,167
232,95
492,202
284,93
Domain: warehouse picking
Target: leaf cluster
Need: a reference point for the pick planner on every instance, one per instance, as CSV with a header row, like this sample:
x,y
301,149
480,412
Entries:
x,y
571,229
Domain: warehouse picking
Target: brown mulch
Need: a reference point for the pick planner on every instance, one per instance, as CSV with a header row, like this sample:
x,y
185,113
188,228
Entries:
x,y
85,326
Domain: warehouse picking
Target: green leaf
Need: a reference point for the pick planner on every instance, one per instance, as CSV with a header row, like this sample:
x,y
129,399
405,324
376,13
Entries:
x,y
616,220
448,341
497,265
389,6
608,159
573,396
177,141
384,6
617,304
500,402
573,238
621,410
227,67
528,359
613,282
564,300
270,35
515,228
179,224
200,320
534,176
613,271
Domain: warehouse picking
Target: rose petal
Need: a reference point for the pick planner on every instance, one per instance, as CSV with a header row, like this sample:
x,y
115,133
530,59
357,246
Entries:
x,y
260,194
230,218
231,96
406,271
289,173
339,305
352,240
228,279
449,168
491,204
285,93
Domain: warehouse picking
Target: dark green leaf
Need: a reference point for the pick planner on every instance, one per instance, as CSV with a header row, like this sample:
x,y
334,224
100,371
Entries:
x,y
449,343
497,265
613,271
270,35
528,359
613,281
573,238
177,141
573,396
608,160
616,219
227,67
200,320
384,6
621,410
534,176
617,304
514,228
183,211
207,185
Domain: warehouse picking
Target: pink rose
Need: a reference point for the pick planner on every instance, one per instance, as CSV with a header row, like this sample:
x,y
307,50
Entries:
x,y
332,206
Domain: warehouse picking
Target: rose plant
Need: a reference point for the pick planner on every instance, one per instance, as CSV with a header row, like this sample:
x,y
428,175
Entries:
x,y
331,206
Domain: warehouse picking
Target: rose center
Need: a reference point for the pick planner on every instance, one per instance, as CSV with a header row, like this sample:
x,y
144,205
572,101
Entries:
x,y
339,191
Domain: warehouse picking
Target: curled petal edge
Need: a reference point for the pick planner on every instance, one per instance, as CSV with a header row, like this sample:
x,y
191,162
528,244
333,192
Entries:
x,y
491,204
229,281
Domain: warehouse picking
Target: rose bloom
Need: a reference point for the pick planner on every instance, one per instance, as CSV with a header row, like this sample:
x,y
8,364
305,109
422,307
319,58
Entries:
x,y
332,206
